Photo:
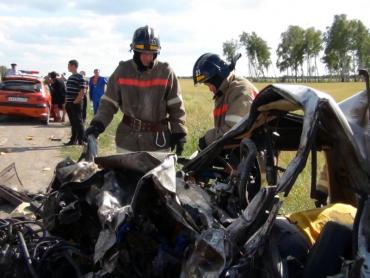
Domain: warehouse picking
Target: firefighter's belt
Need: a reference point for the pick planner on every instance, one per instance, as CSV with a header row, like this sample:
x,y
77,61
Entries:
x,y
139,125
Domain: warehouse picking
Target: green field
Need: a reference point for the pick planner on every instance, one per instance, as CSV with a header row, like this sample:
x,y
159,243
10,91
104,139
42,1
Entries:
x,y
199,107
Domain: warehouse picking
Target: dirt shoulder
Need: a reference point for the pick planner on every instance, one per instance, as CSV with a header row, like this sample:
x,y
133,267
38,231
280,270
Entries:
x,y
30,146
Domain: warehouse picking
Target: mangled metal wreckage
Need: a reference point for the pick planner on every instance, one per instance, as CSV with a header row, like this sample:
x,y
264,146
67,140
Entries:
x,y
341,133
135,216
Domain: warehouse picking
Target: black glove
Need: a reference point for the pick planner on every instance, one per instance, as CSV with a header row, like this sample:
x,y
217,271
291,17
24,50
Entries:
x,y
202,143
178,141
94,129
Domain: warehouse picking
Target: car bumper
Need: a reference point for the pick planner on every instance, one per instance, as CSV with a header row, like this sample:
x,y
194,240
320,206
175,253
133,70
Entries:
x,y
24,109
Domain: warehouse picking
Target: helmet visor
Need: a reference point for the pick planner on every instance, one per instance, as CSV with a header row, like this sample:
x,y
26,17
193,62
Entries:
x,y
199,76
142,47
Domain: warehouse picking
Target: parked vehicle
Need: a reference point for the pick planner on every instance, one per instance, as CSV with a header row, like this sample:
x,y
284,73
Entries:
x,y
25,95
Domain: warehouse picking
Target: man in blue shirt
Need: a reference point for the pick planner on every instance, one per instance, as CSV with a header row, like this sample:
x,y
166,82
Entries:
x,y
97,87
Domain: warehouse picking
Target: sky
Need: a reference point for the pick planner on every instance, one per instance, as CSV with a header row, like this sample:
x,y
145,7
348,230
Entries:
x,y
44,35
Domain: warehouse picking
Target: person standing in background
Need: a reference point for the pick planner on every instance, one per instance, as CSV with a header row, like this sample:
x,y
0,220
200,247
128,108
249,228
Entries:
x,y
75,92
97,86
62,78
58,97
84,100
13,70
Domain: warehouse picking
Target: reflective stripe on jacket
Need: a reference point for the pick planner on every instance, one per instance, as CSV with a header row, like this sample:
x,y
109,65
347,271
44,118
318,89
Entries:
x,y
153,95
231,106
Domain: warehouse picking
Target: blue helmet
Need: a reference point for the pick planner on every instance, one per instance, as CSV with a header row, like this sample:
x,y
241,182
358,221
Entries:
x,y
145,39
209,68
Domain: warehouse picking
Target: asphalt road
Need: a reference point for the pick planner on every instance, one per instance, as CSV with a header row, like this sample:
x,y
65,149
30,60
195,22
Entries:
x,y
34,148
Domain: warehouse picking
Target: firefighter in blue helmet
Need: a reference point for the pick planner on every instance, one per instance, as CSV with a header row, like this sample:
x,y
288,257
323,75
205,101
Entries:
x,y
232,95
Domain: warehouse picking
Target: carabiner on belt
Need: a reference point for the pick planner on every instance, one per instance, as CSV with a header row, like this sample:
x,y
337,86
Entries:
x,y
164,140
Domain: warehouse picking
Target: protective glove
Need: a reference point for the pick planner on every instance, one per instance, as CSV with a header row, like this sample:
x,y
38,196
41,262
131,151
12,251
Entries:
x,y
178,141
94,129
202,143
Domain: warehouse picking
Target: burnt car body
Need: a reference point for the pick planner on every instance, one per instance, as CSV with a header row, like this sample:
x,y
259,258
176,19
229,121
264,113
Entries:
x,y
340,131
136,216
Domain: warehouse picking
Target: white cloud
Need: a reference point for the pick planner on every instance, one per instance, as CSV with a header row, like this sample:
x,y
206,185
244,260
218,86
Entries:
x,y
48,43
38,35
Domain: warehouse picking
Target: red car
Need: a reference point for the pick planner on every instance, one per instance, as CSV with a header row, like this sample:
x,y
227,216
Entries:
x,y
25,95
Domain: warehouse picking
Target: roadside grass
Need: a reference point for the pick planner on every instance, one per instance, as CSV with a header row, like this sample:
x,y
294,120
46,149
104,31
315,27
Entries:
x,y
199,106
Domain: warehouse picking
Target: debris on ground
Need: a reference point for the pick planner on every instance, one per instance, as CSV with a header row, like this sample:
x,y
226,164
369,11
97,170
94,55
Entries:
x,y
53,138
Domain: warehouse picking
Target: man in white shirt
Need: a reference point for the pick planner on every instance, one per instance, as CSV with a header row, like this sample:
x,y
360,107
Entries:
x,y
13,70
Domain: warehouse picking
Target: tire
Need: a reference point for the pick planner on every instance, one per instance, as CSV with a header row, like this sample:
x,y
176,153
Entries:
x,y
45,121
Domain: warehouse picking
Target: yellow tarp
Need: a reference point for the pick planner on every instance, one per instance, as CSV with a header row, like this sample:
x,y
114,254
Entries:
x,y
312,221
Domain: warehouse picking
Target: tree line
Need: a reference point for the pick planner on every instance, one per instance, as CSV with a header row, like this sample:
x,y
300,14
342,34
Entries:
x,y
345,47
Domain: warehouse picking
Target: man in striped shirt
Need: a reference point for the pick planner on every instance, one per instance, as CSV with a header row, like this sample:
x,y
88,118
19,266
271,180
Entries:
x,y
75,92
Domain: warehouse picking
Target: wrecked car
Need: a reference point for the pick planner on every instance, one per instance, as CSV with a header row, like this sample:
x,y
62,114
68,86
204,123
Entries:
x,y
134,215
338,131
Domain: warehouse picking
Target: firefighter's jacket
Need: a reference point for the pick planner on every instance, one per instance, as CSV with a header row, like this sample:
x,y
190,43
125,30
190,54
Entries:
x,y
153,96
232,103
